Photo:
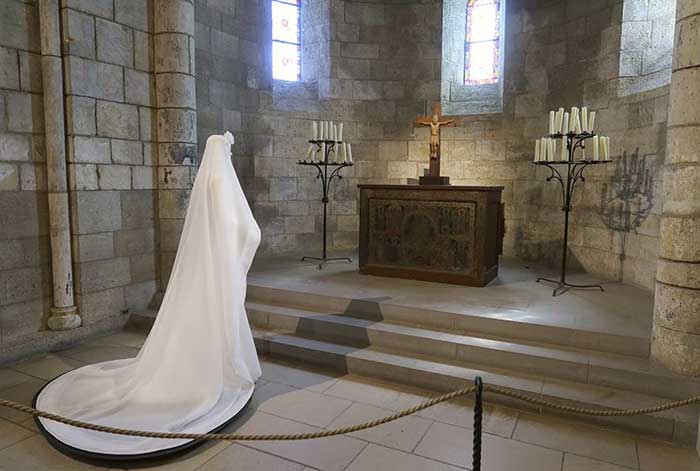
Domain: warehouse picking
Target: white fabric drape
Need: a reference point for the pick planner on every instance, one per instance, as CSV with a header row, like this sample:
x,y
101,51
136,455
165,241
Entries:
x,y
198,366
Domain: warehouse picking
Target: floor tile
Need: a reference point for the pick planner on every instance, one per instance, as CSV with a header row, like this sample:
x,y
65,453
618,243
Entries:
x,y
24,394
189,461
581,463
48,367
11,433
301,405
593,442
37,455
454,445
241,458
97,354
496,420
314,380
379,458
358,389
447,443
126,338
9,378
403,434
327,454
501,454
655,456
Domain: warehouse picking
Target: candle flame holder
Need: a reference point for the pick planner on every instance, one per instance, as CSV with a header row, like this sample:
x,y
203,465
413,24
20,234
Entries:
x,y
326,176
568,177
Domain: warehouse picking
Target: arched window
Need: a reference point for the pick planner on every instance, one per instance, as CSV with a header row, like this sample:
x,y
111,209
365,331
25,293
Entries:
x,y
286,40
481,48
472,52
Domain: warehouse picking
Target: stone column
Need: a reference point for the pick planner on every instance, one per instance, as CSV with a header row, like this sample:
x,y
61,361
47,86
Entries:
x,y
676,335
64,313
177,123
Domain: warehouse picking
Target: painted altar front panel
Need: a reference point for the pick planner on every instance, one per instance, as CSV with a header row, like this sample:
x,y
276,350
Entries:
x,y
444,234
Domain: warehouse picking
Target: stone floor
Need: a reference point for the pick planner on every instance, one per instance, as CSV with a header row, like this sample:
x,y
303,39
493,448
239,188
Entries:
x,y
292,398
514,295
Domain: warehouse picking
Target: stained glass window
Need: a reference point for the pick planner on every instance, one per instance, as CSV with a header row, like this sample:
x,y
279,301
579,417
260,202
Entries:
x,y
286,40
481,49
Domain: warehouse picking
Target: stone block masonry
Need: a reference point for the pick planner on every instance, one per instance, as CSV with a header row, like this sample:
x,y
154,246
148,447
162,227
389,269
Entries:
x,y
25,269
111,105
676,334
110,126
176,121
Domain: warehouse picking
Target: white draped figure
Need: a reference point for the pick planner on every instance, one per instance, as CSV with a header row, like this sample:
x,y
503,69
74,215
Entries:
x,y
198,367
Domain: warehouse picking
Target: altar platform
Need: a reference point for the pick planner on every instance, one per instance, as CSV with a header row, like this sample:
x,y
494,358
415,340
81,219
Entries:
x,y
583,348
514,296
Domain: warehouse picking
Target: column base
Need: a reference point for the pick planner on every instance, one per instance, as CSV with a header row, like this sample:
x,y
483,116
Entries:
x,y
64,318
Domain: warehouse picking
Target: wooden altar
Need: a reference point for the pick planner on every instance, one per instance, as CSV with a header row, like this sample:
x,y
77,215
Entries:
x,y
440,233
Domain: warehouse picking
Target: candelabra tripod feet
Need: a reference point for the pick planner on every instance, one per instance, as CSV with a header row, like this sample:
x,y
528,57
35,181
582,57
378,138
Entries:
x,y
563,286
325,260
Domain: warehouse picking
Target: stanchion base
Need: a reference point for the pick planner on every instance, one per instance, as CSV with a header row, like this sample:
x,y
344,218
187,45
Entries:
x,y
326,261
563,287
123,459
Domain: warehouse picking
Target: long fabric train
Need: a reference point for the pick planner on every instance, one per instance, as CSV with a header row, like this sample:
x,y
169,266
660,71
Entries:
x,y
198,366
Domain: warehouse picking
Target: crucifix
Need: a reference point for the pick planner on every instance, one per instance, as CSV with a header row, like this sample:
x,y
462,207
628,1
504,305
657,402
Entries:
x,y
435,122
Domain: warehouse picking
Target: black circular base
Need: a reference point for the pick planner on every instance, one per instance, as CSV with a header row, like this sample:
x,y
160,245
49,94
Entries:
x,y
126,460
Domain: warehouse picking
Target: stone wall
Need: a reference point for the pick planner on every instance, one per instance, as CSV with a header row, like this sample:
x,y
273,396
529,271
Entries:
x,y
25,270
108,61
616,219
109,104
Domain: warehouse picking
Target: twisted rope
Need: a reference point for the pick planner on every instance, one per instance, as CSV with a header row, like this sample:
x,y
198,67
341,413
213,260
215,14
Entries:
x,y
592,412
354,428
236,436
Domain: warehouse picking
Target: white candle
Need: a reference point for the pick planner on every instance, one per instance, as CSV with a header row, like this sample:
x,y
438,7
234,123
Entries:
x,y
560,124
543,149
563,149
559,120
550,149
537,150
314,130
349,153
584,118
551,122
578,123
565,126
572,119
335,132
596,148
331,131
340,132
606,149
591,121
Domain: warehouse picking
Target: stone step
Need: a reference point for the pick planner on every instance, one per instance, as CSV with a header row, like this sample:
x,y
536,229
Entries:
x,y
582,366
678,425
478,321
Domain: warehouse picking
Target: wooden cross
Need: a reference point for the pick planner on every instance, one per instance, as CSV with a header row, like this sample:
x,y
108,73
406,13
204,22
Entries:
x,y
435,122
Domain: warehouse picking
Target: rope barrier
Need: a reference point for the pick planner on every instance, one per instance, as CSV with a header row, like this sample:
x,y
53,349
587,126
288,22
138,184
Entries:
x,y
354,428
